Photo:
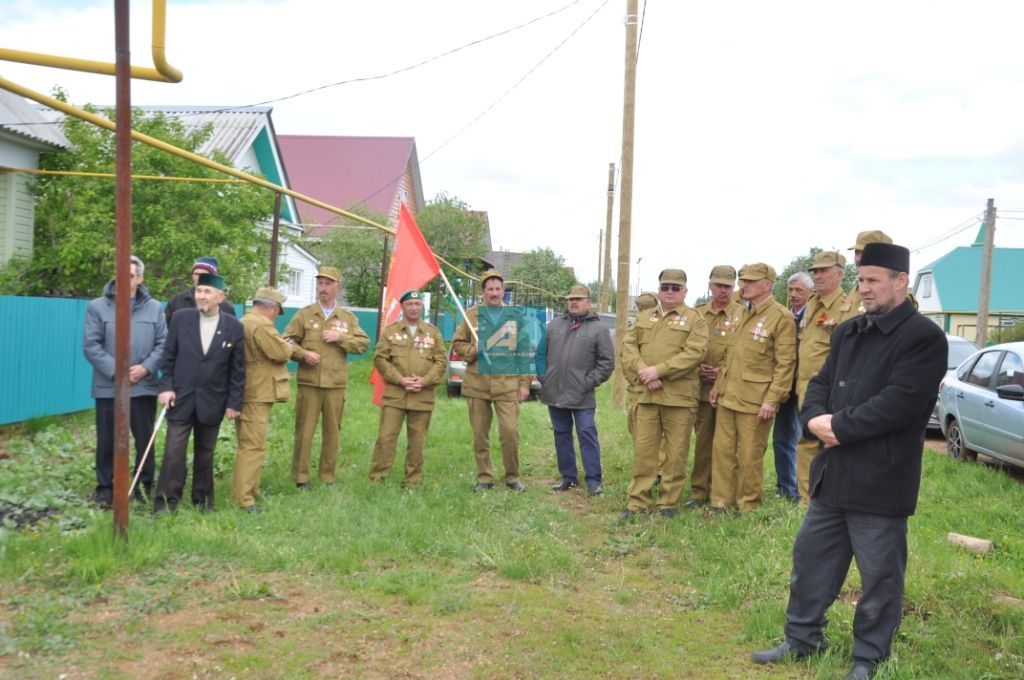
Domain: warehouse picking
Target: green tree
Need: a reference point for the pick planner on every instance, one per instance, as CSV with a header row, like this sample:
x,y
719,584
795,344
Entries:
x,y
357,250
543,269
802,263
459,235
172,222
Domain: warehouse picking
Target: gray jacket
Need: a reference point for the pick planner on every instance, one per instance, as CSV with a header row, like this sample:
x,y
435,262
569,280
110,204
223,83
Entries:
x,y
149,331
579,359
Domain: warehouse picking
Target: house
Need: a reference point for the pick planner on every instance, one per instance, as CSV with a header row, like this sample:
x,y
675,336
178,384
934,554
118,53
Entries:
x,y
947,289
247,138
24,134
376,172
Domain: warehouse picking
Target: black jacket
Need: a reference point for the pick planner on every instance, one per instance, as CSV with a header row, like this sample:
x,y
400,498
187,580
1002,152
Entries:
x,y
879,383
579,359
204,384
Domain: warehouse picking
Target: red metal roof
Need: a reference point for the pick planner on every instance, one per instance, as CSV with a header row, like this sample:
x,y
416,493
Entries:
x,y
345,171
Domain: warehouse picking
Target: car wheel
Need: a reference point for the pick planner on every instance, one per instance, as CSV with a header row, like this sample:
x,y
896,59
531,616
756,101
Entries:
x,y
956,445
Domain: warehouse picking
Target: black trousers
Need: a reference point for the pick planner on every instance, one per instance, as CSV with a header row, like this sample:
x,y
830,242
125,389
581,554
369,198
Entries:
x,y
174,468
825,544
142,418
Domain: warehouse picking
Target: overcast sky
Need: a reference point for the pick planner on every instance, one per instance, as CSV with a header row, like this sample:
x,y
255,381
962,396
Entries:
x,y
762,128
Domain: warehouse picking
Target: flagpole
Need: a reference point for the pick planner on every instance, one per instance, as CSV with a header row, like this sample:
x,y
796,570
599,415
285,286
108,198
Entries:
x,y
458,304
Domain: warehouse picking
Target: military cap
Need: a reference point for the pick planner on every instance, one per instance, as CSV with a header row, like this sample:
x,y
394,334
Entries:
x,y
332,273
757,271
410,295
206,264
677,276
873,236
886,255
578,291
646,300
267,295
212,280
491,274
826,259
723,274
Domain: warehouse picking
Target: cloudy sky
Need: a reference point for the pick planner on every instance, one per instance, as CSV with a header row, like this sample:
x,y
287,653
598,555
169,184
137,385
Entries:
x,y
762,128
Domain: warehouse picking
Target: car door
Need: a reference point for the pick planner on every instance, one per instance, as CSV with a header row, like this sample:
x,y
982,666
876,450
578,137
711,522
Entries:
x,y
975,395
1007,416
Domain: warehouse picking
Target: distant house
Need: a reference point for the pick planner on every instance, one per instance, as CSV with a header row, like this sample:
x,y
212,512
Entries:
x,y
24,134
377,172
947,289
247,138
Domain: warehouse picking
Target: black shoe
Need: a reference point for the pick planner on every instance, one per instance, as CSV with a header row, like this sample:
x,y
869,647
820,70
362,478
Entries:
x,y
593,488
516,486
860,671
695,502
482,486
302,485
565,485
104,500
657,481
784,652
253,509
668,512
627,515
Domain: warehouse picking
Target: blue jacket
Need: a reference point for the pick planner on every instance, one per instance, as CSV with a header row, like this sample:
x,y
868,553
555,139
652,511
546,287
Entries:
x,y
149,332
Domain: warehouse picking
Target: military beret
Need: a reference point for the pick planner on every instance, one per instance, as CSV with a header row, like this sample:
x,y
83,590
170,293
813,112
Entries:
x,y
411,295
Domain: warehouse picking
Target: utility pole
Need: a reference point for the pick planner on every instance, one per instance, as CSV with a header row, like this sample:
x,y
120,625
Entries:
x,y
986,273
626,199
605,299
600,247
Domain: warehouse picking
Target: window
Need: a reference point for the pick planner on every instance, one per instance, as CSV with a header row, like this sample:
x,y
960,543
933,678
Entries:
x,y
295,283
984,367
1011,372
926,286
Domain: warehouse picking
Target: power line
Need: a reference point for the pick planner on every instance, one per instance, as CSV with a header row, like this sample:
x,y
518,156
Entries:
x,y
963,226
640,35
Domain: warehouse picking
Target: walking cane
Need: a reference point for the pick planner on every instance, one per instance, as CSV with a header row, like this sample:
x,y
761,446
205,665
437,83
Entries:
x,y
149,447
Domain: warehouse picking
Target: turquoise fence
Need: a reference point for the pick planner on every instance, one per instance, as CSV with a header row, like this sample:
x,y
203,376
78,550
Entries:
x,y
42,369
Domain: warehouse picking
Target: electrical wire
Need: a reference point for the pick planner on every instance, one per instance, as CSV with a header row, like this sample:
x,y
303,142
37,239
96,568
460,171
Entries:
x,y
950,233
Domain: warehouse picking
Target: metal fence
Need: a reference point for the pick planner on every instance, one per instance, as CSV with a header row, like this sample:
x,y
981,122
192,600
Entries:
x,y
42,369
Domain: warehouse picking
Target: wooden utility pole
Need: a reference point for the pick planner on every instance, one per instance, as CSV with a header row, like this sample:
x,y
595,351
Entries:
x,y
626,198
600,249
986,273
275,235
605,299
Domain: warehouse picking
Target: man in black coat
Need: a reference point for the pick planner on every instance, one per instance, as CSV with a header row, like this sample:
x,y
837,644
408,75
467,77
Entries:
x,y
868,407
203,381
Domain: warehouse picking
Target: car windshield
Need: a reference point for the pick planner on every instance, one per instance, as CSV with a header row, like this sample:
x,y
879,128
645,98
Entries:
x,y
958,351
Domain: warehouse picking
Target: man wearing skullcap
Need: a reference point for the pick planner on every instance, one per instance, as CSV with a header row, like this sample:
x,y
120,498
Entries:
x,y
187,298
852,306
411,358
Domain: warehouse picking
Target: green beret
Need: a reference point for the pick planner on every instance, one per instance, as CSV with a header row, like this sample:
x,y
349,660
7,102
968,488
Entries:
x,y
410,295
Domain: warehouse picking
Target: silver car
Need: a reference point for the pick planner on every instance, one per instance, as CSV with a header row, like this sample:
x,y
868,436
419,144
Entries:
x,y
981,406
959,349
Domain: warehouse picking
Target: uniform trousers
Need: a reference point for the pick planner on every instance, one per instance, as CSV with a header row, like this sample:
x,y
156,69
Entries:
x,y
704,431
662,452
417,425
784,438
806,451
174,468
251,427
312,403
737,466
562,420
142,416
828,538
657,427
480,416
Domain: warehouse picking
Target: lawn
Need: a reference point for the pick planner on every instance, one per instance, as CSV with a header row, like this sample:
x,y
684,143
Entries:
x,y
377,582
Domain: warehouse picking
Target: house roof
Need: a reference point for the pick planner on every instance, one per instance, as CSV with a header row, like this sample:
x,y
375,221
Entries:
x,y
957,277
21,121
348,171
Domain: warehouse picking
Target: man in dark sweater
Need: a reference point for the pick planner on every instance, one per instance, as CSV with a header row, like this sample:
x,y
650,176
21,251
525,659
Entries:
x,y
868,408
187,298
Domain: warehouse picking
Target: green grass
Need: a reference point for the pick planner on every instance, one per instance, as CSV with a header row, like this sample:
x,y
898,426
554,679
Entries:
x,y
376,581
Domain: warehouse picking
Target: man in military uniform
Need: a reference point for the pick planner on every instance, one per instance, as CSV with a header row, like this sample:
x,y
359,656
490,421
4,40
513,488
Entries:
x,y
758,375
853,306
723,316
266,382
485,392
411,358
634,388
820,317
663,350
324,335
187,298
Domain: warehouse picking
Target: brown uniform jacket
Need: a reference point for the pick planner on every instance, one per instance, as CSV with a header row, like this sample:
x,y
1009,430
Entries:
x,y
305,329
674,342
266,359
721,326
493,387
851,306
761,360
819,320
400,354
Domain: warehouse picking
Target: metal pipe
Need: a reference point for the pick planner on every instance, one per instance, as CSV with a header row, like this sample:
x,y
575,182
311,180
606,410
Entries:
x,y
275,234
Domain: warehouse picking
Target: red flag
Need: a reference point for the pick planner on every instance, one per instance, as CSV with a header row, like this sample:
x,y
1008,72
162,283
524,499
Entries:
x,y
412,265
